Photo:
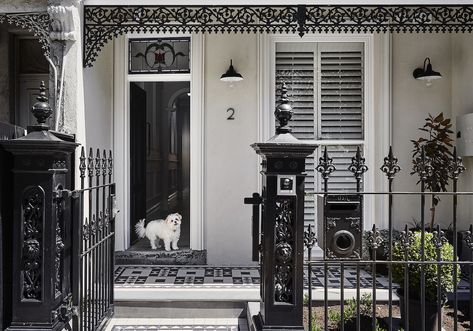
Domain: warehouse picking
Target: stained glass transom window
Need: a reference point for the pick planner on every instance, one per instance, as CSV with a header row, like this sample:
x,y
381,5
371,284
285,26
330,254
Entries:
x,y
166,56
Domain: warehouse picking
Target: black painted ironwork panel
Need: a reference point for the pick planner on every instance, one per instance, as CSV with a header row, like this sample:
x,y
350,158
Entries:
x,y
102,23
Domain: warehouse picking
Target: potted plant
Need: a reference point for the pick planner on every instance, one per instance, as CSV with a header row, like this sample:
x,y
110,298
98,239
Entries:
x,y
437,147
408,248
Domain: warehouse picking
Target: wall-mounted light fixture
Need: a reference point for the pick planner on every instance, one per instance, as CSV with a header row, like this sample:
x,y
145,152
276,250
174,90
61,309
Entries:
x,y
231,76
426,73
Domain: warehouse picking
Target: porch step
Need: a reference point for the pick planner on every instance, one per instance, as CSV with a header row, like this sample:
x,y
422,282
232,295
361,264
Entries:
x,y
201,295
161,257
177,324
179,309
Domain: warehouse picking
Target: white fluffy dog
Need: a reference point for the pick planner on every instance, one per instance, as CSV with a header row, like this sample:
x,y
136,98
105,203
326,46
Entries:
x,y
169,230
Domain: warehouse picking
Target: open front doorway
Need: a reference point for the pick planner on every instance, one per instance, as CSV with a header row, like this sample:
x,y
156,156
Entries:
x,y
160,156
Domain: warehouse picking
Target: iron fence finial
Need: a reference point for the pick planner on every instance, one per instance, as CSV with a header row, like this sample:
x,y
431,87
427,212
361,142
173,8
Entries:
x,y
97,163
374,239
455,167
110,163
90,165
104,163
82,165
309,237
438,238
406,238
357,166
423,166
325,166
390,166
469,237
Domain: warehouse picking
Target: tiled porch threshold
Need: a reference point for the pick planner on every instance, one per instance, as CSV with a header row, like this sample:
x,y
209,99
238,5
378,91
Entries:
x,y
216,283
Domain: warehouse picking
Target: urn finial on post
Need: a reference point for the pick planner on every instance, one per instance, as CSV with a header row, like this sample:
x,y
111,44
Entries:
x,y
41,109
283,112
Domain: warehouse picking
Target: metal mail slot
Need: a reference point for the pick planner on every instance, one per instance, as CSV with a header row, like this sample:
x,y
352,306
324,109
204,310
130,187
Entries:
x,y
343,225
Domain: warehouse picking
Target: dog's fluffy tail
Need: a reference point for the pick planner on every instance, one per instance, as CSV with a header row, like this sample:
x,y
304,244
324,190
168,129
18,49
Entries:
x,y
140,228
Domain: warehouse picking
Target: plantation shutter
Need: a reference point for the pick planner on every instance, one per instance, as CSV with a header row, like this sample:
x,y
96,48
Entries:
x,y
341,92
325,83
295,65
341,107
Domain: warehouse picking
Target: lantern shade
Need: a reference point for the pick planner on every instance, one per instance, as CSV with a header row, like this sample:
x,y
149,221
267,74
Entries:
x,y
231,75
426,73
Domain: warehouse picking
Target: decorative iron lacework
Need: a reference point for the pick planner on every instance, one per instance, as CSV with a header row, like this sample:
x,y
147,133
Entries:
x,y
58,255
32,257
167,55
37,23
284,250
102,23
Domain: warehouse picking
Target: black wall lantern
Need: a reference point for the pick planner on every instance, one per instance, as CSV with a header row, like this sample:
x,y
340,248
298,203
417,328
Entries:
x,y
426,73
231,76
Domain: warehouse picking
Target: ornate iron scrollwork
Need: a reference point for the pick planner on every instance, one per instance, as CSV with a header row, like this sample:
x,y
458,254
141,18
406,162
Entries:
x,y
59,245
390,166
438,238
456,167
325,166
284,250
469,237
309,237
374,239
406,239
422,166
331,222
32,248
37,23
102,23
358,166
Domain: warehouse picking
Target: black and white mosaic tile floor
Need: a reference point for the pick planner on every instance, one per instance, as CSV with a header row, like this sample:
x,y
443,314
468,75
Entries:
x,y
228,277
236,277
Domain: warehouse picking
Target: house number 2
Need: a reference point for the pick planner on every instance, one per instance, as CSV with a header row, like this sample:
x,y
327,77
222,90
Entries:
x,y
232,113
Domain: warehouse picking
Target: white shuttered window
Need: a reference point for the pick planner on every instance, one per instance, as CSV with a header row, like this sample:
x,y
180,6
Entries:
x,y
326,85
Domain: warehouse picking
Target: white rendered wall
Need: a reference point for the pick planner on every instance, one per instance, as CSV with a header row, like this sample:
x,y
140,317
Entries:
x,y
98,89
230,163
462,103
412,101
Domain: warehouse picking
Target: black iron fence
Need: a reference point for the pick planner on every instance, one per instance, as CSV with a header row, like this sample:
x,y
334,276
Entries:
x,y
93,213
421,265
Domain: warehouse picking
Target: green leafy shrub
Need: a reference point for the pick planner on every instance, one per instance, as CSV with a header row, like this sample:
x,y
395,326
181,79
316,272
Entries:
x,y
349,312
446,281
305,301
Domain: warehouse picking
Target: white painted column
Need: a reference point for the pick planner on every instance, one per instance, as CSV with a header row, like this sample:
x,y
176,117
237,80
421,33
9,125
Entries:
x,y
66,34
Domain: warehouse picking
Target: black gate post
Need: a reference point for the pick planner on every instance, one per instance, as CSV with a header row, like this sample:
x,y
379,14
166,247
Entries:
x,y
40,282
282,261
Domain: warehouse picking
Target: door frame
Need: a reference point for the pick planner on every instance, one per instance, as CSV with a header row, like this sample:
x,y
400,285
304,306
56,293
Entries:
x,y
121,134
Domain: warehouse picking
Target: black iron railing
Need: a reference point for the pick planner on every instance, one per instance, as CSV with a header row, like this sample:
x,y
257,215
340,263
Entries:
x,y
432,245
93,245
